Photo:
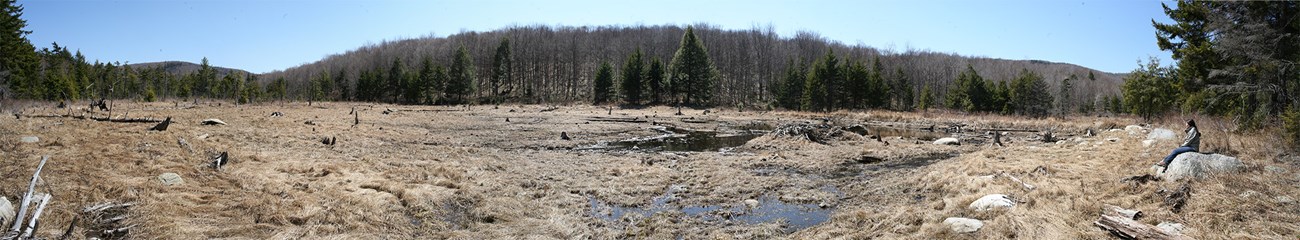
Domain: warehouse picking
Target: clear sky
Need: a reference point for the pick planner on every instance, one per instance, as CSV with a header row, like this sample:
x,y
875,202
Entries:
x,y
266,35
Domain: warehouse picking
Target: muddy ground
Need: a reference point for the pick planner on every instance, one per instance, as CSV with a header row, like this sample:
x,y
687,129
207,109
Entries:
x,y
493,172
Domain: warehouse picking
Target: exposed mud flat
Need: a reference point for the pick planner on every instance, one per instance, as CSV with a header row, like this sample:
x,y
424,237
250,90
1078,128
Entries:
x,y
483,172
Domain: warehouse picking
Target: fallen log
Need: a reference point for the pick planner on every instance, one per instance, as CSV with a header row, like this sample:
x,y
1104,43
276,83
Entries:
x,y
617,119
1126,228
1027,186
101,119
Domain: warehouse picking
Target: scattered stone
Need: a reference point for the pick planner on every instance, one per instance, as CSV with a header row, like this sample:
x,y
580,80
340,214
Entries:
x,y
1197,165
162,126
947,141
1161,134
1171,227
1279,199
184,144
1147,143
310,122
1112,139
963,225
1248,194
992,201
170,178
277,114
30,139
213,121
751,203
387,111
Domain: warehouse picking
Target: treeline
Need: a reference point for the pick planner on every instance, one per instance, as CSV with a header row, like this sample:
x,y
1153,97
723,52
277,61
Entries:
x,y
542,64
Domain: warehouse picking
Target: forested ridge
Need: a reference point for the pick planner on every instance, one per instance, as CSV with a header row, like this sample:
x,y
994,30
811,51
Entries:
x,y
560,64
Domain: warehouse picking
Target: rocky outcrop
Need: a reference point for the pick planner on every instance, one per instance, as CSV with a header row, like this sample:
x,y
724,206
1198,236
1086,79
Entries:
x,y
1197,165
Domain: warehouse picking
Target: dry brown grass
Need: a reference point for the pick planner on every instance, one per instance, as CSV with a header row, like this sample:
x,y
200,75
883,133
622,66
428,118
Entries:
x,y
443,172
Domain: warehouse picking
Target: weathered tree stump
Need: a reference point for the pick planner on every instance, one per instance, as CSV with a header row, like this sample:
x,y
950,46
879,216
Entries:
x,y
162,126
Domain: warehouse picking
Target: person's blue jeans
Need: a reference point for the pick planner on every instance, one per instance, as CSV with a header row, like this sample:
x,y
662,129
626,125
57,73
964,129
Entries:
x,y
1179,150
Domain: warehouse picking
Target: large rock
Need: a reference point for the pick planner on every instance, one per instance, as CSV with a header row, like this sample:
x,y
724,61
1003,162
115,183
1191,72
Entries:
x,y
29,139
6,213
169,179
992,201
947,141
1133,129
963,225
1161,134
1196,165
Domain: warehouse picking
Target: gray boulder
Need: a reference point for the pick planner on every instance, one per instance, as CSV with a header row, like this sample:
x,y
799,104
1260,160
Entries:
x,y
169,179
963,225
30,139
1197,165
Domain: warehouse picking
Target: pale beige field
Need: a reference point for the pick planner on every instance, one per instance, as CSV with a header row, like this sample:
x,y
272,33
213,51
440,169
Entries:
x,y
438,172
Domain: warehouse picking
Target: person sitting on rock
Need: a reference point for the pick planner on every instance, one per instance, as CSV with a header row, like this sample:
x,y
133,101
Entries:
x,y
1191,144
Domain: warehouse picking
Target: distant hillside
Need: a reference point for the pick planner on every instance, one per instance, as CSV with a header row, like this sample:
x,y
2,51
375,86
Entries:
x,y
180,68
557,64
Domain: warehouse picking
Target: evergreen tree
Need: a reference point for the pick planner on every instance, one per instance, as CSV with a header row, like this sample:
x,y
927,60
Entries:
x,y
603,85
278,88
858,83
18,57
878,87
632,82
927,98
817,91
969,92
426,81
395,81
206,78
790,90
903,92
341,86
1063,104
1030,94
1148,91
461,76
502,70
655,79
691,72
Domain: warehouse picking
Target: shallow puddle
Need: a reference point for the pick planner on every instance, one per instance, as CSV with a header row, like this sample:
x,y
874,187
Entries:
x,y
769,209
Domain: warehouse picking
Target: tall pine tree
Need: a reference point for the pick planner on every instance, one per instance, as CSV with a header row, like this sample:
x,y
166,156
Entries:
x,y
632,83
692,74
603,84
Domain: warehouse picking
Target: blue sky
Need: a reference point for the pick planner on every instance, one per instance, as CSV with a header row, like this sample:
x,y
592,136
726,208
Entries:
x,y
262,36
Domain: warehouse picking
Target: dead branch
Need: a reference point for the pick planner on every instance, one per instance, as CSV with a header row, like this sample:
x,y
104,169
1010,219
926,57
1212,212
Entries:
x,y
1027,186
101,119
27,197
